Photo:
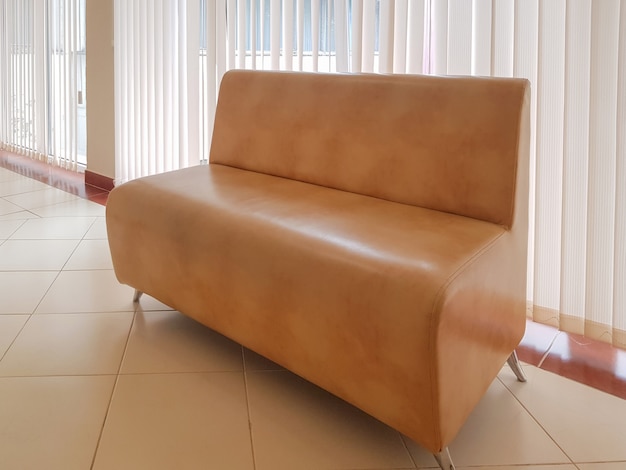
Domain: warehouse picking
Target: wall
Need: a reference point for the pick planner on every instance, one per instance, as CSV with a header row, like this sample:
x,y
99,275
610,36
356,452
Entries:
x,y
100,89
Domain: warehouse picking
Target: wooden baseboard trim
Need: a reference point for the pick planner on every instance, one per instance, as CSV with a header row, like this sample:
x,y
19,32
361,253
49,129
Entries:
x,y
99,181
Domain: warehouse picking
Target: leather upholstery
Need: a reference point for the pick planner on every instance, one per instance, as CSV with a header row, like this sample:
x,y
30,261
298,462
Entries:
x,y
345,250
399,137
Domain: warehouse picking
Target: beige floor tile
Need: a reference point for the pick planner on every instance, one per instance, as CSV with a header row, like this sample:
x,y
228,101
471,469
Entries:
x,y
296,425
177,421
69,344
589,425
87,291
90,254
98,230
6,208
41,198
57,228
76,208
51,423
170,342
35,255
254,361
8,227
500,432
10,326
603,466
22,291
20,186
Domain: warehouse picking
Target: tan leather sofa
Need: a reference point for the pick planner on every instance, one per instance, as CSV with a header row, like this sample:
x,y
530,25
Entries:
x,y
367,232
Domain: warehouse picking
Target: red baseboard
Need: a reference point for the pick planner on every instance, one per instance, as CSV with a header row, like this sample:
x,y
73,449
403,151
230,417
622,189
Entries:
x,y
99,181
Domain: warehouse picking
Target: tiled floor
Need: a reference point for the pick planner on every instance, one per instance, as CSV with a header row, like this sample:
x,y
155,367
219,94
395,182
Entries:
x,y
90,380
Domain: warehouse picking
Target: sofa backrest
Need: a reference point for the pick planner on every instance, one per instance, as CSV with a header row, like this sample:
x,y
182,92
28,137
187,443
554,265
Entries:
x,y
445,143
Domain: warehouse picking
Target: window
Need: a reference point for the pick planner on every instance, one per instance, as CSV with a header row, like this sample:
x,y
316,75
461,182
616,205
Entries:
x,y
42,71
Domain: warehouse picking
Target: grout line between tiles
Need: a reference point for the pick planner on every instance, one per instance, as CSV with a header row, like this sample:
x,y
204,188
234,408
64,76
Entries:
x,y
41,376
76,248
46,292
13,232
117,378
406,448
186,372
245,386
15,339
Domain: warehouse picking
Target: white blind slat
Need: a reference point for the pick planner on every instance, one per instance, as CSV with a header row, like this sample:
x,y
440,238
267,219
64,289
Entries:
x,y
400,36
315,34
341,36
300,33
482,21
575,159
231,29
192,94
416,36
439,38
504,31
619,308
602,161
287,30
357,34
157,92
369,36
386,35
241,34
275,16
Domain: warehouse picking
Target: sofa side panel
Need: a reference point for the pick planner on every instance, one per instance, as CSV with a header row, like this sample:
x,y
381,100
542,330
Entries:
x,y
444,143
482,312
481,320
148,240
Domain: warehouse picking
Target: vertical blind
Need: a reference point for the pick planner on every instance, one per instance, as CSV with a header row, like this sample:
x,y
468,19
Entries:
x,y
22,59
572,51
168,64
42,70
156,86
318,35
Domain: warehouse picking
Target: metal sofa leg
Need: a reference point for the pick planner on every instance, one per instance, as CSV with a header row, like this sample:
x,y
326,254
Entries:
x,y
515,365
137,295
444,460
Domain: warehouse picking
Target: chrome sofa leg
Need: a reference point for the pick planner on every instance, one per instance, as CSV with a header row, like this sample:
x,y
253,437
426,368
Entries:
x,y
444,460
515,365
137,295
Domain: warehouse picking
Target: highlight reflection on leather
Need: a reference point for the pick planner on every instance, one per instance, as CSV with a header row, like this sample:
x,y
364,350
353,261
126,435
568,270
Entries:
x,y
366,232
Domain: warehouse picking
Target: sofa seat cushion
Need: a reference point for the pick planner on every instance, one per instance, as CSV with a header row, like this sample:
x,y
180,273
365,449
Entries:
x,y
302,273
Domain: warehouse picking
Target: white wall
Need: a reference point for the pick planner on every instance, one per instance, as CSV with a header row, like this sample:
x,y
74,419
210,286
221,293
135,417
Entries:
x,y
100,88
